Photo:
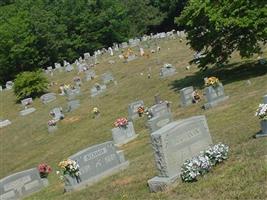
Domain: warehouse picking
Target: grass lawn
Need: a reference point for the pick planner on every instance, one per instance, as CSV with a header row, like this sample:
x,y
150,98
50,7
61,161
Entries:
x,y
26,143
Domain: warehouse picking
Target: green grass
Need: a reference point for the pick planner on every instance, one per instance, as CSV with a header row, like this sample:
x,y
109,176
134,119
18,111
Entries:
x,y
26,142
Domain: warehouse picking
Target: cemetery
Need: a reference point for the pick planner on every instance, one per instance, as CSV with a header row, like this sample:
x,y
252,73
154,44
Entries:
x,y
125,142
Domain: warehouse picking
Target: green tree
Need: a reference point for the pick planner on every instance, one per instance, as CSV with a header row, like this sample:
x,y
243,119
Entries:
x,y
218,28
30,84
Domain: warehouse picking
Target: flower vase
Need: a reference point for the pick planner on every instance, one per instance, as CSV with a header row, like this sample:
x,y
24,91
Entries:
x,y
264,126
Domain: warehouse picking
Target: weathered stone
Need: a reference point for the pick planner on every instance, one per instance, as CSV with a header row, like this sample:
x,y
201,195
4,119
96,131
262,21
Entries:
x,y
21,184
73,105
175,143
27,111
98,89
107,78
57,114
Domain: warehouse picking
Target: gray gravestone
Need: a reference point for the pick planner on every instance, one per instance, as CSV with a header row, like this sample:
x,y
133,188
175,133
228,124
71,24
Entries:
x,y
4,123
96,162
21,184
26,103
124,45
73,105
158,122
68,67
1,88
159,109
107,78
46,98
90,75
9,85
123,135
214,96
167,70
98,89
263,123
72,93
173,144
186,96
157,99
57,114
133,108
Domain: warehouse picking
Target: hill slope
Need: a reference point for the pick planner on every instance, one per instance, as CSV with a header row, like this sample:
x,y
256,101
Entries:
x,y
26,143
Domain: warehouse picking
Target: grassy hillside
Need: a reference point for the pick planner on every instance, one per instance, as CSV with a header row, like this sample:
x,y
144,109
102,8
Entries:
x,y
26,142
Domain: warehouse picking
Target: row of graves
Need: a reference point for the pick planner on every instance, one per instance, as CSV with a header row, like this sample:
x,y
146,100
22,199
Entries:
x,y
176,146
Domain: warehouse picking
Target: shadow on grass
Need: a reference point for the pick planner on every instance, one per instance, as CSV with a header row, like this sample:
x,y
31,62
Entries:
x,y
227,74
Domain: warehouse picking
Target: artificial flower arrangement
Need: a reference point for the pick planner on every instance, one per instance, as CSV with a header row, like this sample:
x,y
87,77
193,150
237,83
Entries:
x,y
96,112
148,113
71,168
212,81
44,169
121,122
52,123
262,112
140,110
203,163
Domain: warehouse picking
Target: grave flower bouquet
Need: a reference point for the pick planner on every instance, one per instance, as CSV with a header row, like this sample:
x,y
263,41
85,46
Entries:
x,y
212,81
52,123
71,168
96,112
121,122
141,110
202,163
262,112
148,113
44,169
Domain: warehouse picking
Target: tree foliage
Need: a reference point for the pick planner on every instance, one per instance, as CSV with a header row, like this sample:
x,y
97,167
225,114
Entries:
x,y
30,84
218,28
38,33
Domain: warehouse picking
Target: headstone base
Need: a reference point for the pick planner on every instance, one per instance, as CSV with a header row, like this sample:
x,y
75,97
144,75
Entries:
x,y
4,123
27,111
215,102
263,132
159,184
97,178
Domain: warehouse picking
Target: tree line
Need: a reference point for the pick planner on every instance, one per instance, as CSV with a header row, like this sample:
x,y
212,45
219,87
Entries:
x,y
38,33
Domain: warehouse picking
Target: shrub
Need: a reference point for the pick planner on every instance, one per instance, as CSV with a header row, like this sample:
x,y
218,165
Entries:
x,y
30,84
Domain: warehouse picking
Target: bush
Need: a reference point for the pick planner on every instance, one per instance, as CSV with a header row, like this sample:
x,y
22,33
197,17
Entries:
x,y
30,84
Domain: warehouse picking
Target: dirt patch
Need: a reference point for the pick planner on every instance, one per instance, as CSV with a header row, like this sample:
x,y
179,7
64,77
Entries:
x,y
71,119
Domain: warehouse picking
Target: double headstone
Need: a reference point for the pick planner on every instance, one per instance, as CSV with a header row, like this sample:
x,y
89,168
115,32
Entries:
x,y
98,89
214,95
107,78
263,132
46,98
21,184
186,96
161,116
25,103
173,144
167,70
123,135
133,109
96,163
